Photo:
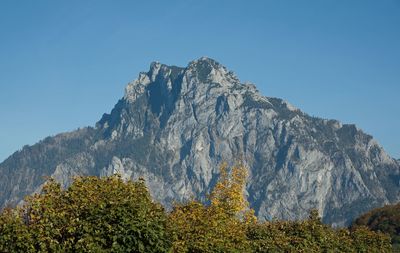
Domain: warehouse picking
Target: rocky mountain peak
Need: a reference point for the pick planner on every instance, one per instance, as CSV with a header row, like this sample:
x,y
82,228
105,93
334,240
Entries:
x,y
207,70
204,66
174,126
159,73
201,78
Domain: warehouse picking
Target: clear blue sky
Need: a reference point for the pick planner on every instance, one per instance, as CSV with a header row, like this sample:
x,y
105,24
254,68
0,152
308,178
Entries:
x,y
65,63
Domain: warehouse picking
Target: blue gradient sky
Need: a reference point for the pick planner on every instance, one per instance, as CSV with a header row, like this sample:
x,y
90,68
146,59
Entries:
x,y
64,63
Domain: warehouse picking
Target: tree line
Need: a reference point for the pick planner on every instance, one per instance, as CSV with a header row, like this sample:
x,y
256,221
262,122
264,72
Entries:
x,y
110,214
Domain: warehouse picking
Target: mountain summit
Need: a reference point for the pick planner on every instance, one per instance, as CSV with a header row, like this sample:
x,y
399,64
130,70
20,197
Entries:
x,y
175,126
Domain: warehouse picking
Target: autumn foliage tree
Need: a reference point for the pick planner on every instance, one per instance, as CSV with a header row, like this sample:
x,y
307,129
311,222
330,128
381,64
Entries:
x,y
92,215
228,193
385,219
312,236
220,226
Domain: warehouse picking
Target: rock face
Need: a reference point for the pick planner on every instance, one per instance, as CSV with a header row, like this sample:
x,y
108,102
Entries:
x,y
174,126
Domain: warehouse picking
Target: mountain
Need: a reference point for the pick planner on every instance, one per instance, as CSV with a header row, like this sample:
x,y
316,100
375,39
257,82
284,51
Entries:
x,y
175,126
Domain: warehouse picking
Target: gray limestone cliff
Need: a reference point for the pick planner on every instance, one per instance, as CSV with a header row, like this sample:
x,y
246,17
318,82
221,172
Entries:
x,y
174,126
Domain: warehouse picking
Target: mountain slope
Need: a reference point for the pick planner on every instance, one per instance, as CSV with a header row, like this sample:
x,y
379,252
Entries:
x,y
174,126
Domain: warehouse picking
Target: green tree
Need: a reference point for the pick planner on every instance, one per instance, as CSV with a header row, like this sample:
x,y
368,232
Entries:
x,y
92,215
14,235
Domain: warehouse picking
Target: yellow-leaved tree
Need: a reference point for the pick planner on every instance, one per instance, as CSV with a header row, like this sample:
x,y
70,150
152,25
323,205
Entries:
x,y
220,226
228,193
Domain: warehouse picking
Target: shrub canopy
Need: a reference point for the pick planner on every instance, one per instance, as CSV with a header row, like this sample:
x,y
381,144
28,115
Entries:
x,y
113,215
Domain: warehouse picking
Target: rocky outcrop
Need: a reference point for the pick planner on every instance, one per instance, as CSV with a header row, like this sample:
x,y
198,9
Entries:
x,y
174,126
